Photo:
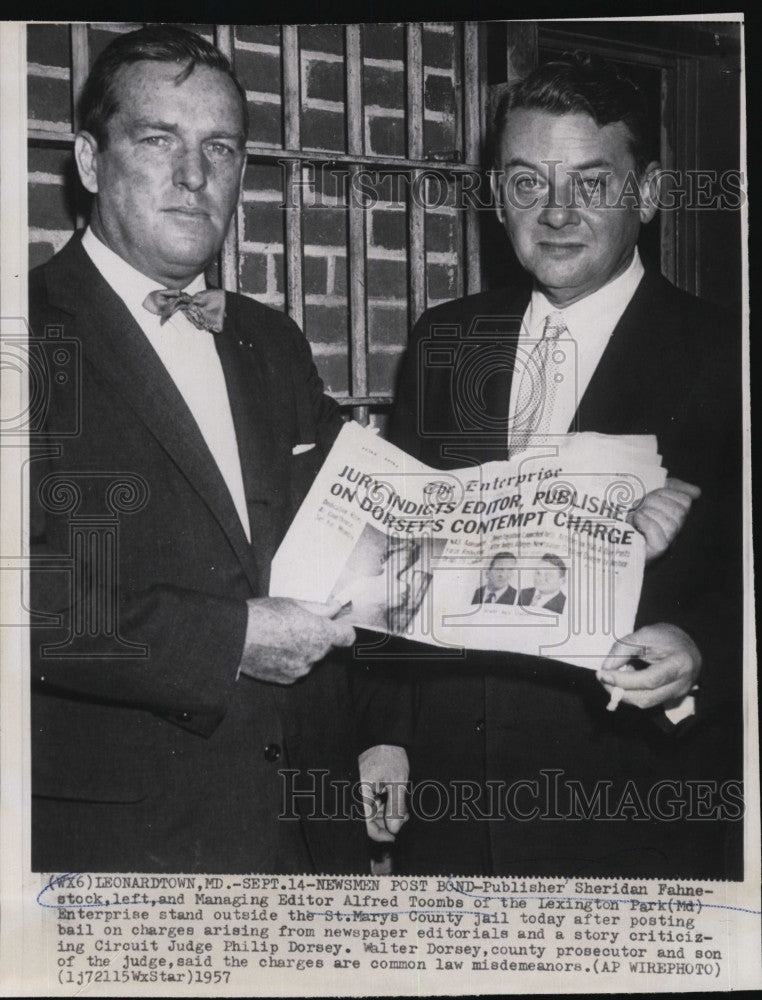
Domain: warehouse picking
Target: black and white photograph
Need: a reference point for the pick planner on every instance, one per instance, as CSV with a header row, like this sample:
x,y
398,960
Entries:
x,y
382,583
483,241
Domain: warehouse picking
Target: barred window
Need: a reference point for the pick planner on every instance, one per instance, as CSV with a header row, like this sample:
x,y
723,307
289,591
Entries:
x,y
360,138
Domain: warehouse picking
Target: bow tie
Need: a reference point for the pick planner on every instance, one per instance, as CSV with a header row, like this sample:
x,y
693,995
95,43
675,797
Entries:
x,y
205,310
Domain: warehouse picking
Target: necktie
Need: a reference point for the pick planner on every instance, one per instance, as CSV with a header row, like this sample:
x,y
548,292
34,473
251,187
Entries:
x,y
491,598
539,382
205,310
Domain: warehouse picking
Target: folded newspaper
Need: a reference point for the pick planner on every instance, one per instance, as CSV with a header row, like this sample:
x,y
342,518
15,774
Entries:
x,y
533,555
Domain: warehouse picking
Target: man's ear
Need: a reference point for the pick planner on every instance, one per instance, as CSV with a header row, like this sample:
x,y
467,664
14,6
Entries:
x,y
648,191
497,198
86,156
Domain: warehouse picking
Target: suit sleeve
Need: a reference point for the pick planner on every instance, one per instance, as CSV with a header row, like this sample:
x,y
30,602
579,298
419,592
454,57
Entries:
x,y
384,693
176,651
698,584
318,415
382,701
404,423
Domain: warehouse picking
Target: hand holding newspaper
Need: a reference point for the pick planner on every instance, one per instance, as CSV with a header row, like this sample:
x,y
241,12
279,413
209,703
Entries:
x,y
533,555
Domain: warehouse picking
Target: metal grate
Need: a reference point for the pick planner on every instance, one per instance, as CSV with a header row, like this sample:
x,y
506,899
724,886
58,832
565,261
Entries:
x,y
470,88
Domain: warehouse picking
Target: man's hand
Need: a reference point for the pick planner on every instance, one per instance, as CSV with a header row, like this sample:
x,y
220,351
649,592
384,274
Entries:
x,y
384,771
675,664
284,638
662,514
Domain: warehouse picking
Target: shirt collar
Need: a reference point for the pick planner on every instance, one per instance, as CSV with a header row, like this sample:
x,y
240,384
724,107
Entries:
x,y
129,284
596,314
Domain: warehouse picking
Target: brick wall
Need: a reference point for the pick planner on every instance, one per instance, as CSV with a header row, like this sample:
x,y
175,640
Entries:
x,y
56,199
52,187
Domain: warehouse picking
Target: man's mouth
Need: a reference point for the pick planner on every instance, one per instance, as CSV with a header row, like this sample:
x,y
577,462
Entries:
x,y
561,249
190,212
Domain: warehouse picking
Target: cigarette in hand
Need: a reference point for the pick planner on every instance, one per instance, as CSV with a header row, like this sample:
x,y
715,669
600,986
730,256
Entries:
x,y
617,694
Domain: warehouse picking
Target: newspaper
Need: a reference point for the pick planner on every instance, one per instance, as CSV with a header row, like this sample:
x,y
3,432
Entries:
x,y
534,555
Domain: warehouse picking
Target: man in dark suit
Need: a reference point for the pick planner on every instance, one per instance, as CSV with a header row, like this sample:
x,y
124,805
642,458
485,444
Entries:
x,y
557,784
498,588
181,719
548,581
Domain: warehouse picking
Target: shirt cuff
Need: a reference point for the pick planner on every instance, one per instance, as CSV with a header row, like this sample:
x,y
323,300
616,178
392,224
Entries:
x,y
683,710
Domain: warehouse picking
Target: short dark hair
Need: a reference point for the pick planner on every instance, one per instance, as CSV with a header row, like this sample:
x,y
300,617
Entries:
x,y
555,561
158,43
581,83
501,555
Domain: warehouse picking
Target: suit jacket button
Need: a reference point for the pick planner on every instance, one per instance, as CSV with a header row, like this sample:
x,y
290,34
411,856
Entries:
x,y
272,752
480,726
184,716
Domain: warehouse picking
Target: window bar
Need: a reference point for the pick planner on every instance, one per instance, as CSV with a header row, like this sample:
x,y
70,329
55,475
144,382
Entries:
x,y
331,157
293,186
229,255
353,52
472,122
460,142
356,248
276,154
80,67
416,214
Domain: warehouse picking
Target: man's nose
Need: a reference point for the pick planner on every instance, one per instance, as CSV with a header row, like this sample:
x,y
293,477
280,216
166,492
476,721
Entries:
x,y
190,169
560,209
559,215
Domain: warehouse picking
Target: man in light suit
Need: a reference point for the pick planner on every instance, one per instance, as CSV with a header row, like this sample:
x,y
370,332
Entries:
x,y
498,588
566,787
178,711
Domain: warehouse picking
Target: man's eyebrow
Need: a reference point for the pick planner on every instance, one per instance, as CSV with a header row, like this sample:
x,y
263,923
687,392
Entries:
x,y
592,165
150,123
518,161
233,136
146,123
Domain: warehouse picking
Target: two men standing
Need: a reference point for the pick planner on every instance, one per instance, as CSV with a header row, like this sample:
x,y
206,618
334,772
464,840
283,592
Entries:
x,y
168,692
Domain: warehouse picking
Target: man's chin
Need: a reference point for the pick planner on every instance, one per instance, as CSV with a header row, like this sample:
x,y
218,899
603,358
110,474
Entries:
x,y
191,259
559,278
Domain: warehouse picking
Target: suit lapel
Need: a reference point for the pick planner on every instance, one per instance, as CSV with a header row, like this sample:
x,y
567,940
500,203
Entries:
x,y
251,406
613,401
497,390
257,435
479,397
117,347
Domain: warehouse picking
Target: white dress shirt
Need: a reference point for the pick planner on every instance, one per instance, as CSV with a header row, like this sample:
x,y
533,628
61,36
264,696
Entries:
x,y
590,323
190,357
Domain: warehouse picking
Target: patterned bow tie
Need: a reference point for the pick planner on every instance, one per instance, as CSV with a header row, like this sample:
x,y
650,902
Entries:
x,y
205,310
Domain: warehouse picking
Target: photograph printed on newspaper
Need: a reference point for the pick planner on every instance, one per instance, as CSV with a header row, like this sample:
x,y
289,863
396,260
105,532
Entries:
x,y
534,555
376,596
